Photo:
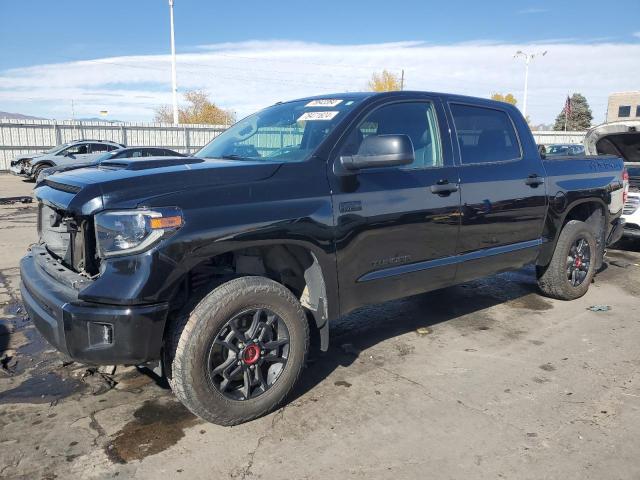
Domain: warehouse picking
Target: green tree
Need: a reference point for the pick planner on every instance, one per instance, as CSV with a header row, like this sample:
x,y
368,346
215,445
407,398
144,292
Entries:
x,y
579,118
384,82
197,109
508,98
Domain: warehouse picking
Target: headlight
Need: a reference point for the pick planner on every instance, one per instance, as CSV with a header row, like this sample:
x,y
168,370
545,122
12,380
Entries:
x,y
132,231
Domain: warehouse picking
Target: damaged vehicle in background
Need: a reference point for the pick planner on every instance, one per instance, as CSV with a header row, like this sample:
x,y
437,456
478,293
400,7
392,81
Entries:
x,y
622,138
223,266
127,152
77,151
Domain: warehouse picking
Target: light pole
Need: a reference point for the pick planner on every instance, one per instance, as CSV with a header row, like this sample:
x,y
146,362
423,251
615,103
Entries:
x,y
173,68
527,59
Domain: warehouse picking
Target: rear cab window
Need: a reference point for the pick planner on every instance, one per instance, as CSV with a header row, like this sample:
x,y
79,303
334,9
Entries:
x,y
484,134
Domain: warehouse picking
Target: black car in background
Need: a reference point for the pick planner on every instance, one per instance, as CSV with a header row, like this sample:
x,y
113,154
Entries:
x,y
564,150
129,152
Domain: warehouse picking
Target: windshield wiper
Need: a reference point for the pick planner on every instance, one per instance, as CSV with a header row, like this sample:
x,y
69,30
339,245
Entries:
x,y
233,157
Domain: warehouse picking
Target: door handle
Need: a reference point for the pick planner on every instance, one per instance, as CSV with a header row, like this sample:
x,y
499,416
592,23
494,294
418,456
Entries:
x,y
444,188
534,180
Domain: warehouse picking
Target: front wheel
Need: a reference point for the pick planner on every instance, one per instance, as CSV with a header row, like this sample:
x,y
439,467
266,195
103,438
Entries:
x,y
573,264
239,352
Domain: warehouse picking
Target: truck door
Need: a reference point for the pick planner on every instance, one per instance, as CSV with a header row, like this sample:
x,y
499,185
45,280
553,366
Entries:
x,y
395,225
502,189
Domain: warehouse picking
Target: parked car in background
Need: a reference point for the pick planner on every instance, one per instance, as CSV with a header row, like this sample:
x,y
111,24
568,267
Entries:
x,y
621,138
127,152
564,150
631,212
77,151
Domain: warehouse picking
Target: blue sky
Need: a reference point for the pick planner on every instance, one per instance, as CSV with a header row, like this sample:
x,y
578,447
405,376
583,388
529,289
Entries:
x,y
43,31
265,40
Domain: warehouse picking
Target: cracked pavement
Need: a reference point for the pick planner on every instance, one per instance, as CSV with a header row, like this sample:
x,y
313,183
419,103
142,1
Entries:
x,y
503,384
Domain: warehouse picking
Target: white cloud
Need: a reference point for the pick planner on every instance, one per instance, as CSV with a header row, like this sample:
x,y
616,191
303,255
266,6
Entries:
x,y
250,75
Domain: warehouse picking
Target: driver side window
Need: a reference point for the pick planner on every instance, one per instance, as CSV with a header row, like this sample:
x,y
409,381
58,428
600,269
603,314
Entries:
x,y
75,150
417,120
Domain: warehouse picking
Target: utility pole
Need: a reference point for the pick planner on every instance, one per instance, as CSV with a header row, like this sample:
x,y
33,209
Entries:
x,y
174,81
527,60
402,80
73,119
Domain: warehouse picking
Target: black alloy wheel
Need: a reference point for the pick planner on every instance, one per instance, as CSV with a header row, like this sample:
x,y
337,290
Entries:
x,y
578,262
248,354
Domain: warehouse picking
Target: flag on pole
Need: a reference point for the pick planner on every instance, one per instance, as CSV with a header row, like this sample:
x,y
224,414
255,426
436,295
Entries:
x,y
567,106
567,111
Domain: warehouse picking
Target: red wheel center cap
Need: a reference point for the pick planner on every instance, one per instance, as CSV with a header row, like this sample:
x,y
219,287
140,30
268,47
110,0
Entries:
x,y
578,262
251,354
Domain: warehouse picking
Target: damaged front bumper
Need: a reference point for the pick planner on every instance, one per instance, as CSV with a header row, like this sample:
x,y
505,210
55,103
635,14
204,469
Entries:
x,y
85,331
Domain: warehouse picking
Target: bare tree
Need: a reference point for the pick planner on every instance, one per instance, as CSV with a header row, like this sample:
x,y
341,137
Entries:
x,y
197,109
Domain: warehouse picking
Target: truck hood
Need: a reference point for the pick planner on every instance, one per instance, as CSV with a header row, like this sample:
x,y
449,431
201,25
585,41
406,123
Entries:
x,y
130,183
620,138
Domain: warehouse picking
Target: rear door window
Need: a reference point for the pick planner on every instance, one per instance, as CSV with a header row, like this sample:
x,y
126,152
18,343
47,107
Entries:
x,y
99,147
485,135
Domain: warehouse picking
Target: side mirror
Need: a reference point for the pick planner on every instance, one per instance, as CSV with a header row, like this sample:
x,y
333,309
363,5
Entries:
x,y
380,151
69,154
542,150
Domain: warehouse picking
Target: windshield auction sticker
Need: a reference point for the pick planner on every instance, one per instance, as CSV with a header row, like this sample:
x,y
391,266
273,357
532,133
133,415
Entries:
x,y
308,116
325,102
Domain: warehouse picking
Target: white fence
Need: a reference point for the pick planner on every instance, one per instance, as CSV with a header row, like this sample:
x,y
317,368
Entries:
x,y
18,137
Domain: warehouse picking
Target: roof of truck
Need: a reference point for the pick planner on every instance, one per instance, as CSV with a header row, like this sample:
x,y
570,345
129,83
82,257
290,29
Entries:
x,y
399,94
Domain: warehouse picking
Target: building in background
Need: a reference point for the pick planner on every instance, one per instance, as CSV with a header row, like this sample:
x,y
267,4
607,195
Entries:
x,y
623,105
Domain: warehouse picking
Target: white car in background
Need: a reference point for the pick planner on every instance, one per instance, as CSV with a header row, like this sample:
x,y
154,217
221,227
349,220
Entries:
x,y
621,138
631,212
77,151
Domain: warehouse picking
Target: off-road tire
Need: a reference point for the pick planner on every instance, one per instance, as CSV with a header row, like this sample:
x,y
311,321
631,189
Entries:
x,y
190,335
552,280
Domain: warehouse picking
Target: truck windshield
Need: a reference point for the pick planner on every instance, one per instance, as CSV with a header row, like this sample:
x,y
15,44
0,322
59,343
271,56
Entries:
x,y
286,132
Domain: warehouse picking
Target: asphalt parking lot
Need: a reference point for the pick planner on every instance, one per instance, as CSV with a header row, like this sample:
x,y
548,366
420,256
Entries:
x,y
483,380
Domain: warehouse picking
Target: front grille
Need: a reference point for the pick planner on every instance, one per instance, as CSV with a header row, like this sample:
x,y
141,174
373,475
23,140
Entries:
x,y
633,203
54,233
69,239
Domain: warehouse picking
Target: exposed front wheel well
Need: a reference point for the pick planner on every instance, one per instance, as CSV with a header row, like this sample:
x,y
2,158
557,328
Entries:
x,y
293,266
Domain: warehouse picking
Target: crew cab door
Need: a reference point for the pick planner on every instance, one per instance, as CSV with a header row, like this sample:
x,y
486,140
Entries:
x,y
502,189
392,231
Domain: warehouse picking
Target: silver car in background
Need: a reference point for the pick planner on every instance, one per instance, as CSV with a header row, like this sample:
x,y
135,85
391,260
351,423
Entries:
x,y
77,151
128,152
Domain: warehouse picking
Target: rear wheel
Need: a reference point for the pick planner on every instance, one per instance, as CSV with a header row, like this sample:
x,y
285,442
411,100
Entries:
x,y
573,265
239,352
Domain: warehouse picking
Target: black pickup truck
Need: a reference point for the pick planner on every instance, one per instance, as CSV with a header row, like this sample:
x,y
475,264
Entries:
x,y
220,265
